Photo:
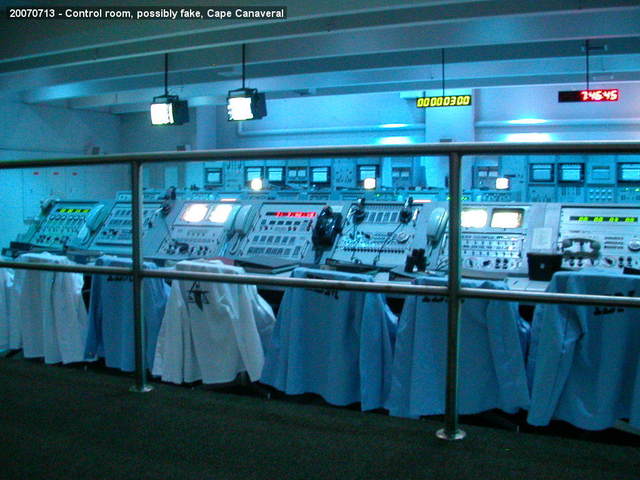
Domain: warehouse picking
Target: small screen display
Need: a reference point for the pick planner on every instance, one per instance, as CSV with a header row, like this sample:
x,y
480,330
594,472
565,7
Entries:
x,y
603,219
629,172
194,212
319,174
252,172
474,218
542,172
367,171
571,172
507,218
214,176
275,174
73,210
220,213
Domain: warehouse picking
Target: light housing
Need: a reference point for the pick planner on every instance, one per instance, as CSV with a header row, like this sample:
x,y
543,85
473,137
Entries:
x,y
257,184
169,110
502,183
246,104
369,183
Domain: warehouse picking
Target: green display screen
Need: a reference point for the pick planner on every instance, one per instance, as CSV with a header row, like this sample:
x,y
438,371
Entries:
x,y
73,210
602,219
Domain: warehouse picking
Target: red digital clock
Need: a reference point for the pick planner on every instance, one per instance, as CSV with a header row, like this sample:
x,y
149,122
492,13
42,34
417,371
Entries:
x,y
597,95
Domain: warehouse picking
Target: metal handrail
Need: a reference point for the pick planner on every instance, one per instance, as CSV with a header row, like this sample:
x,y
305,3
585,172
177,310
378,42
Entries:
x,y
369,287
454,291
462,148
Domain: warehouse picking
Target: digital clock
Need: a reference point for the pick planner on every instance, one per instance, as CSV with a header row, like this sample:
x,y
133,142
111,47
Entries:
x,y
444,101
598,95
603,219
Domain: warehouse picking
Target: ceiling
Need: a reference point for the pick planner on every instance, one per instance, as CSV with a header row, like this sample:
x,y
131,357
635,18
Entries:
x,y
323,48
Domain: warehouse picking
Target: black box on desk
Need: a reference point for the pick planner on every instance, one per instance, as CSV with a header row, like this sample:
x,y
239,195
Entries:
x,y
542,266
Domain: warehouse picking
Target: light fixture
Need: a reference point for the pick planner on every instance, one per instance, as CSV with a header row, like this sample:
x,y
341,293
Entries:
x,y
394,140
528,137
256,184
527,121
369,183
394,125
245,103
502,183
168,109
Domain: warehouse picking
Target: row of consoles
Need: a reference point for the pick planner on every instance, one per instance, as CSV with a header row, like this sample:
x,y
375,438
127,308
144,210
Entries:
x,y
363,235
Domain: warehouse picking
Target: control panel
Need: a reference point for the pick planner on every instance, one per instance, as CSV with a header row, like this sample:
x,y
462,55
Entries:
x,y
64,222
200,229
593,236
115,236
496,237
284,230
379,234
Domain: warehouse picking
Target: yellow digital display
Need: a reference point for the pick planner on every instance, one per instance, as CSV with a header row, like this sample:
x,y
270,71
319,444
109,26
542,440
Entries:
x,y
444,101
603,219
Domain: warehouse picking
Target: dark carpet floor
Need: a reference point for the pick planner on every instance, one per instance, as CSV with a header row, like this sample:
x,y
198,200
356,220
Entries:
x,y
76,423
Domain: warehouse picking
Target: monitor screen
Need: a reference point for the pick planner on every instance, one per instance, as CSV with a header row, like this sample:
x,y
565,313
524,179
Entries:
x,y
194,212
220,213
541,172
252,172
571,172
275,174
507,218
629,172
474,217
319,174
367,171
214,176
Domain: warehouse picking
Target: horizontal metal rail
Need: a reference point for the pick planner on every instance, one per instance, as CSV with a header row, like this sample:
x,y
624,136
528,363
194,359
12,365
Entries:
x,y
481,148
455,152
372,287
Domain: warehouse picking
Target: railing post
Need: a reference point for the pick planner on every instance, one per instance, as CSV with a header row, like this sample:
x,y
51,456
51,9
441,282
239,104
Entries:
x,y
451,431
141,385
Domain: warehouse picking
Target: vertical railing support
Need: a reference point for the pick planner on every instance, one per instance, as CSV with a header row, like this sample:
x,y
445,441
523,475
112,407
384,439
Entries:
x,y
141,385
451,431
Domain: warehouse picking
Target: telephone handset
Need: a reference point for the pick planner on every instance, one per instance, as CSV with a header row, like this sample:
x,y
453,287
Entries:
x,y
92,222
328,226
47,204
243,220
436,224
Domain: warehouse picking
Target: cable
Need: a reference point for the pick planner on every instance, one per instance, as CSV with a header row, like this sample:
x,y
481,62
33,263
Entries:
x,y
384,244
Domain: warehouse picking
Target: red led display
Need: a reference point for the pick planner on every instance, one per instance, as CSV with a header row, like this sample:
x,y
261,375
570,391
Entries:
x,y
293,214
601,95
598,95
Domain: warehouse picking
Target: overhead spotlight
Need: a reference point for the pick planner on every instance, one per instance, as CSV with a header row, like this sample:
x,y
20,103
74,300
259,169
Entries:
x,y
369,183
245,103
168,109
256,184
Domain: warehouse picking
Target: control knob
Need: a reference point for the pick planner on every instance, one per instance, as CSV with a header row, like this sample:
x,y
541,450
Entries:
x,y
634,245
